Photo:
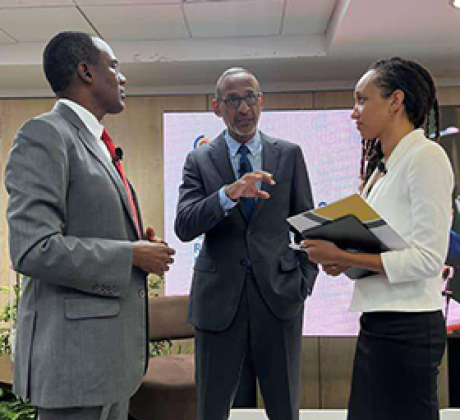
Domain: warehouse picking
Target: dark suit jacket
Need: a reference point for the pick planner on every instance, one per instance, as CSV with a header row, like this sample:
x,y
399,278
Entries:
x,y
81,338
285,277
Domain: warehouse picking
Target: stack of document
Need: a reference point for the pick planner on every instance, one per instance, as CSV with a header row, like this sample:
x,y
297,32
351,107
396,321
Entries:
x,y
351,224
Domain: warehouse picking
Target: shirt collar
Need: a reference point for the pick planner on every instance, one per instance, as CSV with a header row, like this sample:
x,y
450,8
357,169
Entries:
x,y
254,145
407,141
88,119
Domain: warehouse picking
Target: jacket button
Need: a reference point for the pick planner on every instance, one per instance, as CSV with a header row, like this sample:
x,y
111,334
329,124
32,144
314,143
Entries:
x,y
243,263
141,293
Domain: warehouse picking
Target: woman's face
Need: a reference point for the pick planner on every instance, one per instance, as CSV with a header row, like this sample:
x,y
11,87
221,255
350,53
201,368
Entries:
x,y
372,112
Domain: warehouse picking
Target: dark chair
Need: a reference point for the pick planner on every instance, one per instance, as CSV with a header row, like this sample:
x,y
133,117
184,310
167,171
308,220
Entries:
x,y
168,389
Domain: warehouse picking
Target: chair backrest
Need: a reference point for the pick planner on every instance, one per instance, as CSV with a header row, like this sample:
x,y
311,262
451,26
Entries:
x,y
168,318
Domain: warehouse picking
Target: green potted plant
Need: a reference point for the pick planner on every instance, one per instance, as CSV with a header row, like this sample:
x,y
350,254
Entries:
x,y
11,407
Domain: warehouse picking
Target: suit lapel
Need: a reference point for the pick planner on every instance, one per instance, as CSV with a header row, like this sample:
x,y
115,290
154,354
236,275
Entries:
x,y
270,159
221,160
136,203
90,143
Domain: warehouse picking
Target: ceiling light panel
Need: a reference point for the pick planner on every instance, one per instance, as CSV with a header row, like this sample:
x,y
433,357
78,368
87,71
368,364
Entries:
x,y
18,22
34,3
234,18
138,22
307,17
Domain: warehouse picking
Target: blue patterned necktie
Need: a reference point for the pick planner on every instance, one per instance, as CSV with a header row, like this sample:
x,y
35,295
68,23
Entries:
x,y
244,168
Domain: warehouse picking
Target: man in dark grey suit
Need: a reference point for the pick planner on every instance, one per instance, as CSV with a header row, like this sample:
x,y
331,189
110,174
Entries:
x,y
75,232
248,287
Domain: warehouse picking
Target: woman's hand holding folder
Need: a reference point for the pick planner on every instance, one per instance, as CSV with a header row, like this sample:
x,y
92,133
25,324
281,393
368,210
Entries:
x,y
334,270
322,252
335,260
325,253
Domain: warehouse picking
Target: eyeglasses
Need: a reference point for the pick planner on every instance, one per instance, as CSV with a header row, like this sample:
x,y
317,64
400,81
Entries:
x,y
234,102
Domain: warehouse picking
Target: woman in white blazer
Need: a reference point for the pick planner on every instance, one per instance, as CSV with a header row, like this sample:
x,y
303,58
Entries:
x,y
408,180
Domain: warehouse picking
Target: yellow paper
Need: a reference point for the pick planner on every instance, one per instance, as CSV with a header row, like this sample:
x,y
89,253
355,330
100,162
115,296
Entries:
x,y
353,205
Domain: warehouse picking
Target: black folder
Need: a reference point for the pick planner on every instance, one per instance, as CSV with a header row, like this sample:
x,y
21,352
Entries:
x,y
350,234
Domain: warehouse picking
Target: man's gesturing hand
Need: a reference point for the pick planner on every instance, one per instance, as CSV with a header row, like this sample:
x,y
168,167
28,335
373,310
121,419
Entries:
x,y
152,257
246,186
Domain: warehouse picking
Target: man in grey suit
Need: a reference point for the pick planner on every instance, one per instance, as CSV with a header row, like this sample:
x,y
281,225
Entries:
x,y
249,287
75,232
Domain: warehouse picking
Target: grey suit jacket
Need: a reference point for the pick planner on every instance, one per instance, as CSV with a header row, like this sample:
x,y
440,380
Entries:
x,y
81,338
284,277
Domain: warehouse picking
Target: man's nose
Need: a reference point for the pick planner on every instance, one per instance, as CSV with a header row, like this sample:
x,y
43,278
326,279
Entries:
x,y
243,106
354,113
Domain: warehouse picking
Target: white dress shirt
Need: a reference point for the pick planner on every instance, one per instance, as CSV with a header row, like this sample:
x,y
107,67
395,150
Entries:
x,y
91,123
415,199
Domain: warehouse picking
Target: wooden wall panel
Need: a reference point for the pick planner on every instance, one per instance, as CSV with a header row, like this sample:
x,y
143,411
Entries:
x,y
139,131
288,101
282,101
344,99
333,100
443,383
310,373
336,362
449,96
13,113
310,392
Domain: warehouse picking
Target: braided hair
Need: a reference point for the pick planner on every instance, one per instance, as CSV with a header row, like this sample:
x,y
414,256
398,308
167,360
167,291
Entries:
x,y
419,101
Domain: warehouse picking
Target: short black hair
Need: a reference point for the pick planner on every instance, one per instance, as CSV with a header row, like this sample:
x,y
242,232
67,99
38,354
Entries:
x,y
62,55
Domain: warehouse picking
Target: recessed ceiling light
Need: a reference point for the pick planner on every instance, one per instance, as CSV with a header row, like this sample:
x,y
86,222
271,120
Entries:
x,y
455,3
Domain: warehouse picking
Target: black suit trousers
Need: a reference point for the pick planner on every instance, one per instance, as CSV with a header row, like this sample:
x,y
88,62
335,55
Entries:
x,y
274,346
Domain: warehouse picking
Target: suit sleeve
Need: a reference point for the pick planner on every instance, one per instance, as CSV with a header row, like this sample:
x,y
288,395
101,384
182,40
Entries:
x,y
302,200
37,180
430,183
197,212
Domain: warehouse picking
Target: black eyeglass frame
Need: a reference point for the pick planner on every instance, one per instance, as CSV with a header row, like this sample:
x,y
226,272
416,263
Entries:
x,y
234,102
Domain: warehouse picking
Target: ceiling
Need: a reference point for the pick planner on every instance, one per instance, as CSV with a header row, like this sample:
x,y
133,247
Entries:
x,y
182,46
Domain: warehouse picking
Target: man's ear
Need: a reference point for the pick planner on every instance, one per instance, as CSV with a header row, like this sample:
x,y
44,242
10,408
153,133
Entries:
x,y
215,107
84,73
261,99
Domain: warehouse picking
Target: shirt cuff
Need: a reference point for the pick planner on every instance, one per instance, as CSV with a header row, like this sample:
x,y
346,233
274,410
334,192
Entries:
x,y
226,203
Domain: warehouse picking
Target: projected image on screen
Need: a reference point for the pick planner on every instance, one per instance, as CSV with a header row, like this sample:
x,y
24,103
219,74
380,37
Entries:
x,y
332,150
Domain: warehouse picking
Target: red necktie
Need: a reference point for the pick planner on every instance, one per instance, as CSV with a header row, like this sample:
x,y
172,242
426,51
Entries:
x,y
117,162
